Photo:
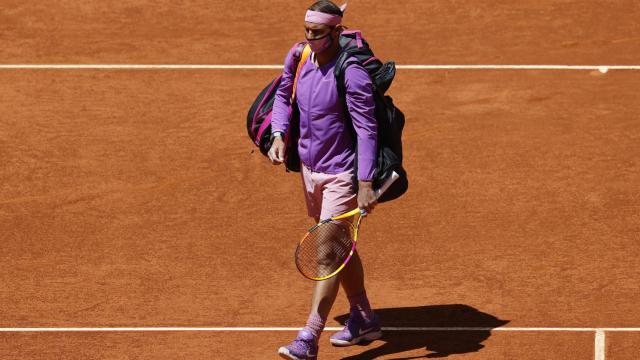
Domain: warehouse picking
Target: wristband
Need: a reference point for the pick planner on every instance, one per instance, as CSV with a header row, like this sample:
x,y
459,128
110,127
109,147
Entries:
x,y
277,133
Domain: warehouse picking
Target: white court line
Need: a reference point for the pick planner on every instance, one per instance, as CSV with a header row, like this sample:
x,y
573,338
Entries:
x,y
599,343
518,67
599,346
249,329
278,67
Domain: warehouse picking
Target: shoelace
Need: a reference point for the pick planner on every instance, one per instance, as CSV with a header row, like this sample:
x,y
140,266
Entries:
x,y
301,344
352,315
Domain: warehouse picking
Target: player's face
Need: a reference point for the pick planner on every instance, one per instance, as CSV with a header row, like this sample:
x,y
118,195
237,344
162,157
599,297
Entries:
x,y
314,31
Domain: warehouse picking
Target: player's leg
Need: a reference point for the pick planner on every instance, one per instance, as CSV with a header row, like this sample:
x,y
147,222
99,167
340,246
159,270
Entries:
x,y
337,198
352,281
305,346
363,324
352,276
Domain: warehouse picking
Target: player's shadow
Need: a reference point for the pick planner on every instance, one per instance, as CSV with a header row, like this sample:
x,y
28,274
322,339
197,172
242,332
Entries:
x,y
437,343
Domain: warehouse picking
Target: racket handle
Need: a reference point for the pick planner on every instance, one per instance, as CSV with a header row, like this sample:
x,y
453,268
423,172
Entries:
x,y
394,176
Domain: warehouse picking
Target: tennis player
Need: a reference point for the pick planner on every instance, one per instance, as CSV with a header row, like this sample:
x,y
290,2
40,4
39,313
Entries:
x,y
327,151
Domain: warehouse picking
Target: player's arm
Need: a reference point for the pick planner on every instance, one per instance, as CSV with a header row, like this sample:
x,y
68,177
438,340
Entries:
x,y
280,115
359,97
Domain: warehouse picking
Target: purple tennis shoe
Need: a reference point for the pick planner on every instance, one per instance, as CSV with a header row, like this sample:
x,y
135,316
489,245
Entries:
x,y
356,330
304,347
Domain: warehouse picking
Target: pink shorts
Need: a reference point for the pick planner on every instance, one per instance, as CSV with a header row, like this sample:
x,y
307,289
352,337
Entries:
x,y
328,195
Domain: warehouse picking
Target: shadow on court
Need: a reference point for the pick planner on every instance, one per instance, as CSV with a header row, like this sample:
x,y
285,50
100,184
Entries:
x,y
437,343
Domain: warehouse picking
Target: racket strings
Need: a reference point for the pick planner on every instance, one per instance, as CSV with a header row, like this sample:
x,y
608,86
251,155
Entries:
x,y
325,249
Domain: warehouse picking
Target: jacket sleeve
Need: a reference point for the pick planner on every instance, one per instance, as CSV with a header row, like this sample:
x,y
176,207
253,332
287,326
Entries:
x,y
282,102
361,106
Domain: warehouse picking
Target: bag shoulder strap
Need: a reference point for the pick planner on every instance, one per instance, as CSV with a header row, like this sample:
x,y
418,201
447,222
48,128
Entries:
x,y
306,52
344,61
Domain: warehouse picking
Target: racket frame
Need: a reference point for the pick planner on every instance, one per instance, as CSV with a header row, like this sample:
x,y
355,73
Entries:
x,y
353,242
394,176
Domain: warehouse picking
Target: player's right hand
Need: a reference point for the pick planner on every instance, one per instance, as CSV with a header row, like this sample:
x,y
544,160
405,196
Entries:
x,y
276,153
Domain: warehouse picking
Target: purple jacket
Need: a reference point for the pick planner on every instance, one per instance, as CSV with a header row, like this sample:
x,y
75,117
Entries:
x,y
326,142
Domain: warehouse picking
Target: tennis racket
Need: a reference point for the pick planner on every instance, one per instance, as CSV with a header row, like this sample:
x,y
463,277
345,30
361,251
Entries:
x,y
328,246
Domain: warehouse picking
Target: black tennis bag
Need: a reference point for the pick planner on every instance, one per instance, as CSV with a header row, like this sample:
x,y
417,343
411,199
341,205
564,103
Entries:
x,y
389,118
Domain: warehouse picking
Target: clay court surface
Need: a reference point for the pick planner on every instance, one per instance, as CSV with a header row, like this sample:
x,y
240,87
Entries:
x,y
132,198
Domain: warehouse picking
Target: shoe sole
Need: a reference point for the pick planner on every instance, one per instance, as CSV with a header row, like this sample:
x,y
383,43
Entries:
x,y
374,335
285,354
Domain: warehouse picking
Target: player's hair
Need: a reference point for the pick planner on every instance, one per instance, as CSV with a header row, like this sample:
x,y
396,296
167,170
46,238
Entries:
x,y
327,7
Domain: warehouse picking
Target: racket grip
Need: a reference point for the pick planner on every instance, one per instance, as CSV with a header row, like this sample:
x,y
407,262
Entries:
x,y
394,176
